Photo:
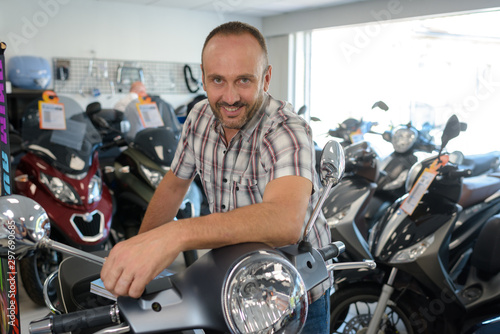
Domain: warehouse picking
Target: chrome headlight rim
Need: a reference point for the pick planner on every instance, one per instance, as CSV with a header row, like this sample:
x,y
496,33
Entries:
x,y
299,302
403,139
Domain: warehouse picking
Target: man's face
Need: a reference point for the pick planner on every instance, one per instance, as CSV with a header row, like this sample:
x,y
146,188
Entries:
x,y
235,78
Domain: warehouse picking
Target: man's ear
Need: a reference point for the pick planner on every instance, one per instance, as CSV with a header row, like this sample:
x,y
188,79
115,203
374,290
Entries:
x,y
267,78
202,77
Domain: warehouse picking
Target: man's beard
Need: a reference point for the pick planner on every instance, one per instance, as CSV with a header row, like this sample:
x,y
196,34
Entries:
x,y
241,120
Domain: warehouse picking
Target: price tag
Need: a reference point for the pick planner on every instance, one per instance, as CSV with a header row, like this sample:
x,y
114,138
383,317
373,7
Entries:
x,y
52,114
149,113
423,183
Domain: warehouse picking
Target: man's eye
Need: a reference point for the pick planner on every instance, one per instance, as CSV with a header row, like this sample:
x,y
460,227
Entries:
x,y
218,81
244,80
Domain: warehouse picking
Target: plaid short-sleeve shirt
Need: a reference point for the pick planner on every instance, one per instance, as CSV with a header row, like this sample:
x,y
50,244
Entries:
x,y
276,142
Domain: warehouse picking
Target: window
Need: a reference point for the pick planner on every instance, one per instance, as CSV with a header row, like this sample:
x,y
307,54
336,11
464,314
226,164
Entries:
x,y
425,70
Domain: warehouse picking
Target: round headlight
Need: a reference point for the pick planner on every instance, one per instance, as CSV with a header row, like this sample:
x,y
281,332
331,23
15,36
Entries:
x,y
264,293
403,139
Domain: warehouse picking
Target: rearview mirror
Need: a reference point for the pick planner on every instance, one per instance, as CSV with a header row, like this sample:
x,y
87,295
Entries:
x,y
23,223
332,163
451,130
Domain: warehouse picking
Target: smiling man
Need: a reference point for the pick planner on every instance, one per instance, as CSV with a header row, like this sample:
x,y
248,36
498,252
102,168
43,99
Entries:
x,y
254,156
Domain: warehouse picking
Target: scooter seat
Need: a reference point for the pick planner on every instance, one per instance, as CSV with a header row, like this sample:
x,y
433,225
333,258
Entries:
x,y
495,174
481,163
478,188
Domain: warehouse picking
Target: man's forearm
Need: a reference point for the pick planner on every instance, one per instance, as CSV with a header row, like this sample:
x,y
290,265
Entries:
x,y
277,221
256,223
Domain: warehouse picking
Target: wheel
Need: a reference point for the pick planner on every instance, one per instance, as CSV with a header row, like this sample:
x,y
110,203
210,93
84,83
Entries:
x,y
351,309
35,269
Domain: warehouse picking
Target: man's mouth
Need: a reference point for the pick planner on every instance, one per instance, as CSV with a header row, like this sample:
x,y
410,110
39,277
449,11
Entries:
x,y
232,111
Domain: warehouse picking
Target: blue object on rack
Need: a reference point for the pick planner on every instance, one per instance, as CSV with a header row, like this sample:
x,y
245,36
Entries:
x,y
29,72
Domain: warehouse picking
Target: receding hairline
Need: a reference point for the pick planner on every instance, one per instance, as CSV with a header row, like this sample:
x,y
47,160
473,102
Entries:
x,y
236,28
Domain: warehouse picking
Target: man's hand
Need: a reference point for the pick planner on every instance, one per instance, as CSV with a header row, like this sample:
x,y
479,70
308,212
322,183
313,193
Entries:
x,y
133,263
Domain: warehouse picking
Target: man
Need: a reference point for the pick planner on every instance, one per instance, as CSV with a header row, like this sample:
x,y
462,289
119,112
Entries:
x,y
254,156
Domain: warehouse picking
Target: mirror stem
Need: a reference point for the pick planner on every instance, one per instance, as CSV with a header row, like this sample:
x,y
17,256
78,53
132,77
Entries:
x,y
317,208
45,242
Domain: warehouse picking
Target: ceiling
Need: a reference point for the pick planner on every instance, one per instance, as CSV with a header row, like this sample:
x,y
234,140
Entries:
x,y
257,8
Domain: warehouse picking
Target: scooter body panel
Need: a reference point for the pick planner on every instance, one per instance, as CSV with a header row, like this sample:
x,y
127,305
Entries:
x,y
349,199
83,226
430,225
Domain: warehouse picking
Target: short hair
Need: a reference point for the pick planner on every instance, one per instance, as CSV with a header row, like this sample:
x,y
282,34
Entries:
x,y
237,28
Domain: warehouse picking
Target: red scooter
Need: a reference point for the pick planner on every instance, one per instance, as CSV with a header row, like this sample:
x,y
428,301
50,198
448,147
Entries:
x,y
60,170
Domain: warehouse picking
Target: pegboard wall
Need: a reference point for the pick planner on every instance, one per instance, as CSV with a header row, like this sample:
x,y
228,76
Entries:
x,y
93,76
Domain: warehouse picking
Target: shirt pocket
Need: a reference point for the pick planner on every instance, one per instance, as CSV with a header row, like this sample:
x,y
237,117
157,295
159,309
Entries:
x,y
245,192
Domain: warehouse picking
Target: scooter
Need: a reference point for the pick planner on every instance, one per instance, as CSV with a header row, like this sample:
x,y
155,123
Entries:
x,y
252,287
427,288
410,146
60,170
138,168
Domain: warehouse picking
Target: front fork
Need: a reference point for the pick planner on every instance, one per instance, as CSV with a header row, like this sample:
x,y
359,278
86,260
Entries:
x,y
387,290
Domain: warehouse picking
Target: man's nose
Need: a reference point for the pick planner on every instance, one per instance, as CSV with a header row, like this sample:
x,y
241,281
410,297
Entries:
x,y
231,94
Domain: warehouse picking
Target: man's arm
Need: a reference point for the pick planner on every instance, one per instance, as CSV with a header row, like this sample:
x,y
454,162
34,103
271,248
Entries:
x,y
277,221
165,202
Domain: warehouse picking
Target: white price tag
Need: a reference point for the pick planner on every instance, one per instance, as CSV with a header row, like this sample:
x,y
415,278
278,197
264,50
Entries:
x,y
52,116
418,190
149,114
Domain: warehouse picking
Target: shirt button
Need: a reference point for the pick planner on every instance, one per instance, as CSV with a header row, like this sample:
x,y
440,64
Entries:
x,y
224,180
223,207
237,188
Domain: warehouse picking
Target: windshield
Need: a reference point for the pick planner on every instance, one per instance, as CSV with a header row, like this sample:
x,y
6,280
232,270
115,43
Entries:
x,y
69,149
166,113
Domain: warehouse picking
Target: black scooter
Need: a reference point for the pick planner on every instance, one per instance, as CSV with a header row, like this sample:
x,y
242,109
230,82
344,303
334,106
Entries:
x,y
137,168
430,286
252,287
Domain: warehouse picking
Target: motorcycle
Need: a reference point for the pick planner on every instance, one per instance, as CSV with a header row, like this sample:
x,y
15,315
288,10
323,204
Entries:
x,y
137,169
252,287
60,170
435,275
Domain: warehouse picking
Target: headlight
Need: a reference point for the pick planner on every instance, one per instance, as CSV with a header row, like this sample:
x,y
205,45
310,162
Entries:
x,y
61,190
403,139
264,293
95,189
154,177
412,253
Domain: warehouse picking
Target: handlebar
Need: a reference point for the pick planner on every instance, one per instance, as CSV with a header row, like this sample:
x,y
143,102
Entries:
x,y
332,250
460,173
118,141
99,316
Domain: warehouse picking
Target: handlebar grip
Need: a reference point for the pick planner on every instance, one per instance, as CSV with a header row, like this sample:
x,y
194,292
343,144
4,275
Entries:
x,y
99,316
332,250
460,173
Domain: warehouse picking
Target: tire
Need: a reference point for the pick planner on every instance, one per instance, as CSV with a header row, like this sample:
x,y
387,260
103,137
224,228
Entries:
x,y
35,269
351,308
